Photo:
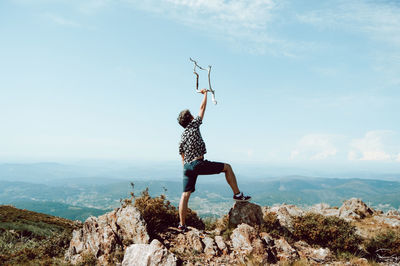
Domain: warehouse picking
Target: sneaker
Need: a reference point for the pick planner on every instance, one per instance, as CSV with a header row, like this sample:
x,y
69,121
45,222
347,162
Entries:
x,y
241,197
183,228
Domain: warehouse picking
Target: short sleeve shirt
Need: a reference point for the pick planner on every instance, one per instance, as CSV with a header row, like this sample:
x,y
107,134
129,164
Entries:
x,y
192,144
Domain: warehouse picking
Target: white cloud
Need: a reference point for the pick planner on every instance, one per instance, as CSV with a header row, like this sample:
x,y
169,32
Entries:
x,y
378,145
377,21
315,147
244,23
62,21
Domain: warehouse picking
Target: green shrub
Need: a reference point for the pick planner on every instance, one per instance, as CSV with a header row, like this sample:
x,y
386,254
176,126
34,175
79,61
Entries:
x,y
331,232
384,246
272,226
160,214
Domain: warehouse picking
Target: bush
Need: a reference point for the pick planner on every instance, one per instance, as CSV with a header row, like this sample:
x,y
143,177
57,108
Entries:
x,y
385,246
159,214
331,232
272,226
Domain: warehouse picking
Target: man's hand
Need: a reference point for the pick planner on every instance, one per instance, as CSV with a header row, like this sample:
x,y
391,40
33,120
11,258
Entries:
x,y
203,91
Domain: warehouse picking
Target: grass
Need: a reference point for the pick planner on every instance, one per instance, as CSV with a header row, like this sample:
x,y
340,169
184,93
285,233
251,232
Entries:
x,y
31,238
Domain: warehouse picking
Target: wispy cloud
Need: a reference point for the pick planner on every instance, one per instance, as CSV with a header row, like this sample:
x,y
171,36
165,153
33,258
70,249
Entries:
x,y
62,21
378,145
315,147
377,21
245,23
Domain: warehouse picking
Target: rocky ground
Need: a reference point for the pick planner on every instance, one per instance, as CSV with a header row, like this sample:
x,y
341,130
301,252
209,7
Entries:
x,y
239,238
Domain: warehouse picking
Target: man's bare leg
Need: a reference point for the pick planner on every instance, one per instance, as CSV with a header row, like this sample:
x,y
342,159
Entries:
x,y
183,206
231,178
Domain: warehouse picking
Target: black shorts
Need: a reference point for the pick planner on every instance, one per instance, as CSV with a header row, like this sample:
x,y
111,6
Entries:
x,y
199,167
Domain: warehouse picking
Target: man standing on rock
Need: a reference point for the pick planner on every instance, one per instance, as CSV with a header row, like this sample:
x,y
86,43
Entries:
x,y
192,149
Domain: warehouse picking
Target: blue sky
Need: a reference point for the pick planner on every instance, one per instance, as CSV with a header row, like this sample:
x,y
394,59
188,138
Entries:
x,y
297,82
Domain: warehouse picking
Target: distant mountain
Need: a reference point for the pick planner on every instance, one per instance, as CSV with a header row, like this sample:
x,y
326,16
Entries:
x,y
60,209
213,196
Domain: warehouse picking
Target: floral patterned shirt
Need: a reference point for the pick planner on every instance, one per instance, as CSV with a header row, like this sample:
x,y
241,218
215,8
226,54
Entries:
x,y
192,144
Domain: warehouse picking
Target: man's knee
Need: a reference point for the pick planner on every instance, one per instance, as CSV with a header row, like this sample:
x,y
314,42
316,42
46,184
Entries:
x,y
227,167
186,195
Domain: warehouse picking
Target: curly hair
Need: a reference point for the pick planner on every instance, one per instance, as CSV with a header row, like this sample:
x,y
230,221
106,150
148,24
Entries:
x,y
184,118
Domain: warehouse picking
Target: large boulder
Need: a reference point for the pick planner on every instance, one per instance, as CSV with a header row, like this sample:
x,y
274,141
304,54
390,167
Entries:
x,y
355,209
245,240
148,255
105,235
245,212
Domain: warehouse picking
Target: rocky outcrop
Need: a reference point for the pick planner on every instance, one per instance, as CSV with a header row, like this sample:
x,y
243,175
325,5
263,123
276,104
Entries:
x,y
355,209
245,240
285,252
319,255
108,234
285,214
152,254
324,209
245,212
240,238
190,241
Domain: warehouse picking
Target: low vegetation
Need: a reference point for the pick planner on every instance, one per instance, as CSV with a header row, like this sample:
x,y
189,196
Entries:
x,y
384,246
159,213
330,232
32,238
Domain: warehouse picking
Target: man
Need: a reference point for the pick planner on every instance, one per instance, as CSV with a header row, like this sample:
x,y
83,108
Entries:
x,y
192,149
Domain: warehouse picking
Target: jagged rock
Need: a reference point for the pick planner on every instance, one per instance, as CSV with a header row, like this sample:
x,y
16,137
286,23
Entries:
x,y
148,255
105,235
355,209
324,209
320,255
269,248
245,239
391,221
221,244
285,252
209,246
245,212
393,213
285,214
189,241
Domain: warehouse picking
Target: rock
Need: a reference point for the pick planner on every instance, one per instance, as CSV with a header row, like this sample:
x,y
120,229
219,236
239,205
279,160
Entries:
x,y
269,248
221,245
190,241
393,213
245,212
285,252
269,241
320,255
245,240
392,221
324,209
285,214
355,209
104,235
148,255
209,246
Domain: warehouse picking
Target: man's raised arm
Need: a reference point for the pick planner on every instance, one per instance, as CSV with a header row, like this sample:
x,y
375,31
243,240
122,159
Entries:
x,y
203,104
